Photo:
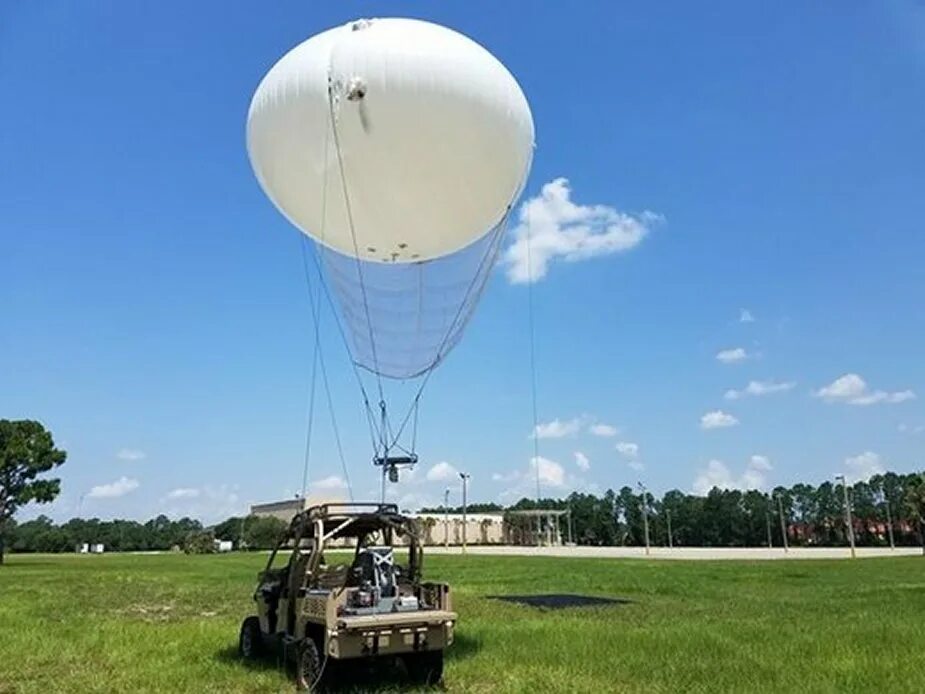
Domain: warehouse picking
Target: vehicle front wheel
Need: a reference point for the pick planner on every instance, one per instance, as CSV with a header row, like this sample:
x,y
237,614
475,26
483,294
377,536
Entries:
x,y
250,642
307,666
425,667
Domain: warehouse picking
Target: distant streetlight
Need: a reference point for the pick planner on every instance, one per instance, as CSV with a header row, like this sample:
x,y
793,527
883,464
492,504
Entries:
x,y
783,523
570,540
767,521
848,522
889,517
465,481
670,541
446,518
645,513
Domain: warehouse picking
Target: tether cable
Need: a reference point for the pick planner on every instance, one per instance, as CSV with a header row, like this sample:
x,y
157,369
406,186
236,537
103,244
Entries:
x,y
532,329
356,250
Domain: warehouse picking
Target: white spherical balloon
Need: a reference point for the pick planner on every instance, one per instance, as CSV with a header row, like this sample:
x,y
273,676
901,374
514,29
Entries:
x,y
424,139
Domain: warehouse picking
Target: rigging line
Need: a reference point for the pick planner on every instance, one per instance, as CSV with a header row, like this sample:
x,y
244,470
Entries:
x,y
532,328
370,420
318,354
316,317
414,428
490,252
374,433
356,248
311,401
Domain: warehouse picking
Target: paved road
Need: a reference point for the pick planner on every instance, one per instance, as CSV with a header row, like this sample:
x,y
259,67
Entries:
x,y
686,553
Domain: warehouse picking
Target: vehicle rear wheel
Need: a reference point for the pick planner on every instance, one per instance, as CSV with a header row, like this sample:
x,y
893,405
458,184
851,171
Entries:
x,y
425,667
307,666
250,642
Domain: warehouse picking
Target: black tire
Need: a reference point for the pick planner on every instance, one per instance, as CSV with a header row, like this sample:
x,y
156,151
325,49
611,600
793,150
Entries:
x,y
425,667
307,666
250,641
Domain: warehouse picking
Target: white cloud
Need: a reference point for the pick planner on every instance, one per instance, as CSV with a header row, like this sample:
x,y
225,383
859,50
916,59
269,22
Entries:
x,y
627,449
717,474
120,487
130,454
731,356
636,465
412,501
760,462
442,472
521,483
759,388
853,390
329,483
552,227
210,503
550,472
557,428
509,477
745,316
581,460
717,420
603,430
910,429
862,467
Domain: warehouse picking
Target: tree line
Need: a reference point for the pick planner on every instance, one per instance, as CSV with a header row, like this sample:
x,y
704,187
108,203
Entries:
x,y
808,515
158,534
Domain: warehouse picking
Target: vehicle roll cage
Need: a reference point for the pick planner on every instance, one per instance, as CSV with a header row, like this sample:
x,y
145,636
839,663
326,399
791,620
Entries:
x,y
331,521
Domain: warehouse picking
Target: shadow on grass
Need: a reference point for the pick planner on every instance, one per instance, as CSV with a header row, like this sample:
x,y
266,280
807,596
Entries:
x,y
559,601
14,562
371,675
230,656
463,647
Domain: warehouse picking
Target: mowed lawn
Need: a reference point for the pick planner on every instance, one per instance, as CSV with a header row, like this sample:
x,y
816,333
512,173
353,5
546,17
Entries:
x,y
169,623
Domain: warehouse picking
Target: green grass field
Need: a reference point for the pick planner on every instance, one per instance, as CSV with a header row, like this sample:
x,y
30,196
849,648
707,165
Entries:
x,y
169,623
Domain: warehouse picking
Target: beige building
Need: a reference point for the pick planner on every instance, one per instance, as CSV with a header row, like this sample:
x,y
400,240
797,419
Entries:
x,y
480,528
436,528
539,527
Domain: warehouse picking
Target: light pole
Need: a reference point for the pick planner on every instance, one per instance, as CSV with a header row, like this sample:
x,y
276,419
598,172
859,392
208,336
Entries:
x,y
767,520
889,517
645,513
465,480
670,541
783,523
446,518
848,522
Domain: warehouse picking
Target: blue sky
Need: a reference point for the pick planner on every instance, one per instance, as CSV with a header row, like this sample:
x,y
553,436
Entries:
x,y
154,308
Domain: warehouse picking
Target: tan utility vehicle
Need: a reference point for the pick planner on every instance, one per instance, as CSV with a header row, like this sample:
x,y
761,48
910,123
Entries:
x,y
352,604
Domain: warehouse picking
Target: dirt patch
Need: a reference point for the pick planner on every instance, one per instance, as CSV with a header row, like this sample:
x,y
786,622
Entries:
x,y
558,601
150,613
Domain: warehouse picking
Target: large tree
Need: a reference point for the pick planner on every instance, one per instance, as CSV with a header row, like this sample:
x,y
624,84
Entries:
x,y
915,503
27,450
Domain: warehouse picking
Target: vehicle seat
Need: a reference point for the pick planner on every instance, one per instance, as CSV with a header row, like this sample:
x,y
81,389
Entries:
x,y
377,565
